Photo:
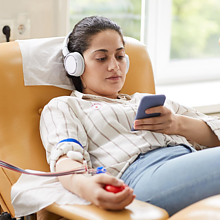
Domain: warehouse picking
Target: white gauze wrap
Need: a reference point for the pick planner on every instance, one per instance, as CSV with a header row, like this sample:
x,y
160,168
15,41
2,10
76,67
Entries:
x,y
73,150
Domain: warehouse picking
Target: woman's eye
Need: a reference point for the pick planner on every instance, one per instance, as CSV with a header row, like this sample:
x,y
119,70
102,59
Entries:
x,y
101,59
120,57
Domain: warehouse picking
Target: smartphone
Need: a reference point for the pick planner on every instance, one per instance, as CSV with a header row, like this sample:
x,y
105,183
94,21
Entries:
x,y
149,102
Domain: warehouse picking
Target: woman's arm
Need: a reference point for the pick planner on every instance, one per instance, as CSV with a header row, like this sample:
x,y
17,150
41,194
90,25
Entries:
x,y
59,122
193,129
197,131
92,188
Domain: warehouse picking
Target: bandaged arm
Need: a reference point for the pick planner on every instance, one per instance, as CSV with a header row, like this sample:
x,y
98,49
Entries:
x,y
59,126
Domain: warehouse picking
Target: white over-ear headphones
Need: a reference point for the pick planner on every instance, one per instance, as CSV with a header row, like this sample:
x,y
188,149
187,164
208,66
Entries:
x,y
74,62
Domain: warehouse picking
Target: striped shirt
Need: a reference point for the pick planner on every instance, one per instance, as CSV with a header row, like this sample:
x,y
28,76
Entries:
x,y
103,127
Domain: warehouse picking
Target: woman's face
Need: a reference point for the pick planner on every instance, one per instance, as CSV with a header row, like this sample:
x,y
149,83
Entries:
x,y
105,65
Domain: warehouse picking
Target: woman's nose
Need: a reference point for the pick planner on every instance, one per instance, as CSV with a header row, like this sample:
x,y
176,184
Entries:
x,y
113,64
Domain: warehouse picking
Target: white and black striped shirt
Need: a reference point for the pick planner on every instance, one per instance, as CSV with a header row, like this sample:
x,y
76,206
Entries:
x,y
103,127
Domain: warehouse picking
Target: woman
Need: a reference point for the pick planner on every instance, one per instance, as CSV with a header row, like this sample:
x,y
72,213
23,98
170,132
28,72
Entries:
x,y
157,161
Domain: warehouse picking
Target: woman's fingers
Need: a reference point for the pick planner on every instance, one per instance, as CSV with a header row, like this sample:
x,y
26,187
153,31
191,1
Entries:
x,y
165,123
107,179
152,124
105,199
153,127
116,201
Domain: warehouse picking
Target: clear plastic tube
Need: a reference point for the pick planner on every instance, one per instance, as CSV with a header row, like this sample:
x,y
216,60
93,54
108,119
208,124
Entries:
x,y
81,170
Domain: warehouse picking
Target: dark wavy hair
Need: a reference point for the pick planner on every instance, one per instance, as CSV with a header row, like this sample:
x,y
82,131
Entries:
x,y
82,34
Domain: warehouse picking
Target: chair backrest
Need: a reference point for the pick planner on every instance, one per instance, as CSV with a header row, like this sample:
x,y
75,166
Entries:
x,y
20,108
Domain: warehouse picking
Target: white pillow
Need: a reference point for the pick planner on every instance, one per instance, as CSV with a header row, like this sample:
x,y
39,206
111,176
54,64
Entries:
x,y
43,62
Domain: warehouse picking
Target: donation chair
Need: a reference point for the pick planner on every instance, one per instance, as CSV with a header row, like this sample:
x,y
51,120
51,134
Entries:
x,y
20,142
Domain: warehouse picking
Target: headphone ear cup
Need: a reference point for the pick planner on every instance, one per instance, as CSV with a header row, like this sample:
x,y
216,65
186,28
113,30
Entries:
x,y
74,64
127,63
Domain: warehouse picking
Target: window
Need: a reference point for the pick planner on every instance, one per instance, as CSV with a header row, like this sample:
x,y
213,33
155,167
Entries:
x,y
182,39
126,13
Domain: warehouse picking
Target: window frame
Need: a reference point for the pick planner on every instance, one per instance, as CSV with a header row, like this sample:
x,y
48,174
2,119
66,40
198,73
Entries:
x,y
156,34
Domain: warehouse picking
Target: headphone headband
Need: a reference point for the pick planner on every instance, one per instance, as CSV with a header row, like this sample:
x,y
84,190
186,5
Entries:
x,y
65,50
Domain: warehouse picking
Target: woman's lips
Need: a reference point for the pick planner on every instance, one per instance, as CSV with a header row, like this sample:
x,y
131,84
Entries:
x,y
114,78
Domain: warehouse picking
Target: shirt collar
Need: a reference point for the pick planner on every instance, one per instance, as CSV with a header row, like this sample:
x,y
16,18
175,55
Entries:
x,y
89,96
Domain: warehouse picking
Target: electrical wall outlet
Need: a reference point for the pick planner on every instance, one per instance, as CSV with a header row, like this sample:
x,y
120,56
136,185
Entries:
x,y
11,24
22,28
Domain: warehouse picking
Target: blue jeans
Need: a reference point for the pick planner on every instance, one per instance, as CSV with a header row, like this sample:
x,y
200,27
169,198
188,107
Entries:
x,y
174,177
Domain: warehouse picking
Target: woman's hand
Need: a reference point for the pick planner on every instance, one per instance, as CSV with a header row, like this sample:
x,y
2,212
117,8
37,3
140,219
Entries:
x,y
166,123
192,129
93,190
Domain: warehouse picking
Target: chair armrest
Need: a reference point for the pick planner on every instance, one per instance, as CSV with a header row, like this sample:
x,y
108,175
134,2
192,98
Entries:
x,y
205,209
136,210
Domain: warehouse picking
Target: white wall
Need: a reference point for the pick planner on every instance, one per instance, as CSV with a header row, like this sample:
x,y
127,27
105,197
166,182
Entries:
x,y
47,18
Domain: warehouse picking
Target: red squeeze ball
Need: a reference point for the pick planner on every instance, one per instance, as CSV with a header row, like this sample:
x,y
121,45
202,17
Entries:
x,y
115,189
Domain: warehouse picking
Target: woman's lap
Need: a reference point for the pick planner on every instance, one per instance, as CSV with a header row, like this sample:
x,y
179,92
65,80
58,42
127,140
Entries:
x,y
175,177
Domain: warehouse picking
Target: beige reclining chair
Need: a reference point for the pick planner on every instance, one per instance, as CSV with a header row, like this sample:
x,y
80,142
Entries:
x,y
20,142
20,108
